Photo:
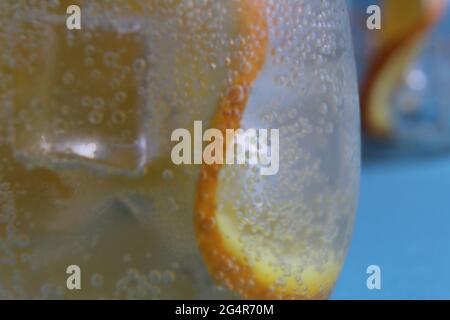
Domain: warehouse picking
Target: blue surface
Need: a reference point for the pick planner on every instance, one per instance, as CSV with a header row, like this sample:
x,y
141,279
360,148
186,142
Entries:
x,y
402,225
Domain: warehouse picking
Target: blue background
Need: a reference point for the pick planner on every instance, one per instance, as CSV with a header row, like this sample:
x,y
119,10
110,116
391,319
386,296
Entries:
x,y
403,226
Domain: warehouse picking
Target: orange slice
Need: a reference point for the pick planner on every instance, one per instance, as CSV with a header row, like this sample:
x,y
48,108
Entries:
x,y
219,237
406,25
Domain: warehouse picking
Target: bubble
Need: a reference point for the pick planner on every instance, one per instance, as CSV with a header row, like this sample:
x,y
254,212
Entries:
x,y
68,78
60,126
139,65
115,83
168,277
89,62
46,290
236,94
98,103
65,109
22,241
95,117
86,101
118,117
54,4
167,174
96,74
323,108
329,127
109,58
89,50
120,96
246,67
155,277
36,105
97,281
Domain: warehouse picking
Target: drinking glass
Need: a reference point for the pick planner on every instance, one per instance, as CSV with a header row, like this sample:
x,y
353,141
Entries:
x,y
92,203
411,55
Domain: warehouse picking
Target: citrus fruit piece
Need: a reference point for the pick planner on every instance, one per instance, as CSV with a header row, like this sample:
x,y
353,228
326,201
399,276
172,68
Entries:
x,y
224,246
402,37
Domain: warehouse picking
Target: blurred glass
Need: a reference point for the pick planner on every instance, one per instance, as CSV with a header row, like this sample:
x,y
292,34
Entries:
x,y
404,71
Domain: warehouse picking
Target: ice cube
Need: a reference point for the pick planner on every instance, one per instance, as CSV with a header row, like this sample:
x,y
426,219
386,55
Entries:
x,y
111,94
79,97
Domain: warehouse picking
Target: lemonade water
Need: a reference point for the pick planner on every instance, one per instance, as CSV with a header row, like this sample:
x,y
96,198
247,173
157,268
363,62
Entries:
x,y
86,176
